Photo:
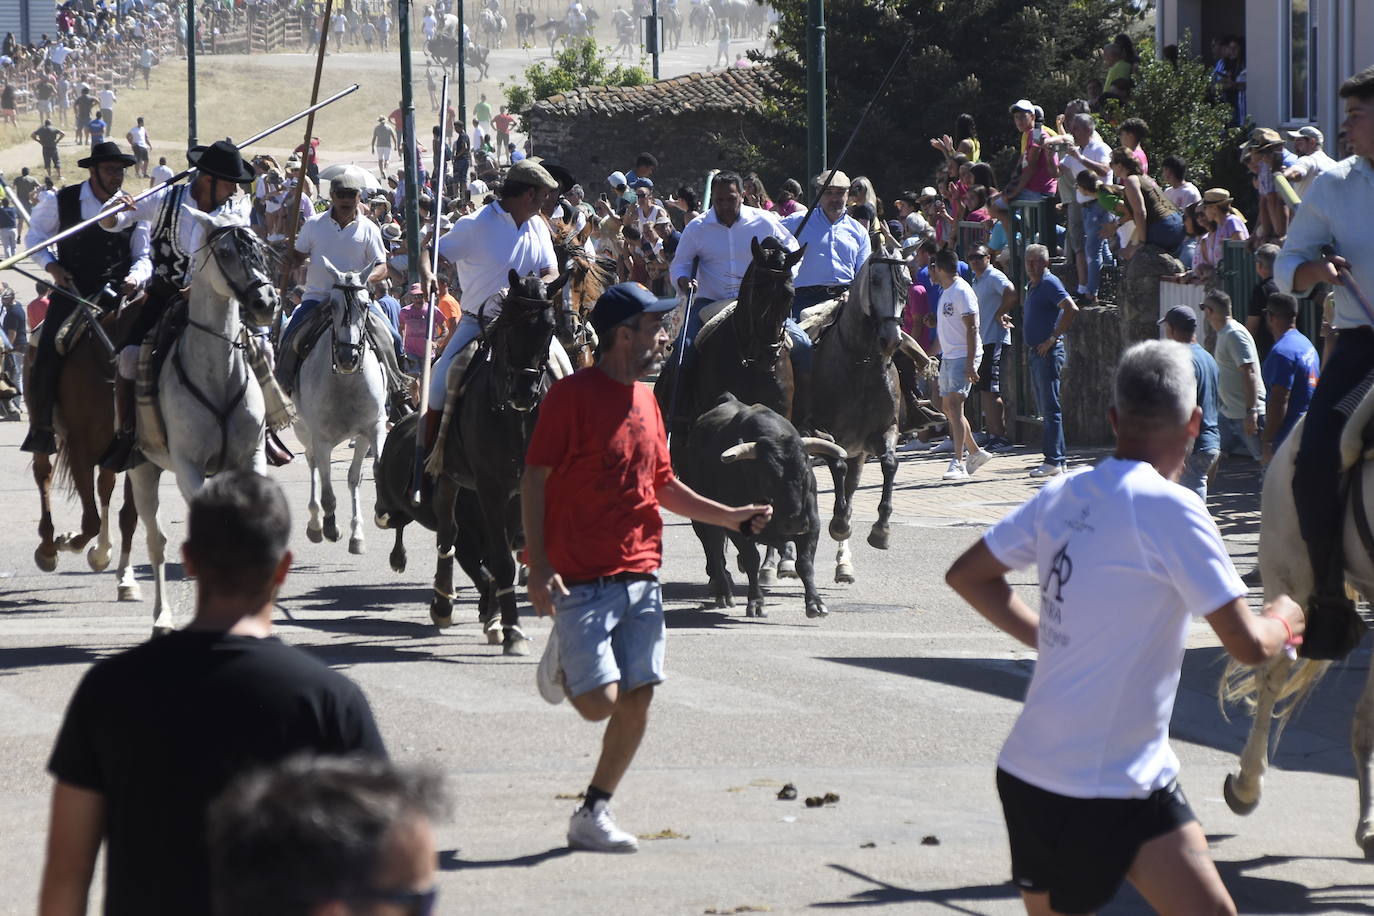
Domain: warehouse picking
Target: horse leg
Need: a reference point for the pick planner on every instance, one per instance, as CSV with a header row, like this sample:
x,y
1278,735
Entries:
x,y
768,572
312,527
839,517
83,479
355,489
98,557
748,551
1362,743
1242,790
441,605
787,561
398,550
844,564
145,478
878,536
500,563
45,556
713,543
127,589
190,478
806,567
324,459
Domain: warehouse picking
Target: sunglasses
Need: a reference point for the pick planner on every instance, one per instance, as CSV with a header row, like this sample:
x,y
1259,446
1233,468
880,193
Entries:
x,y
417,903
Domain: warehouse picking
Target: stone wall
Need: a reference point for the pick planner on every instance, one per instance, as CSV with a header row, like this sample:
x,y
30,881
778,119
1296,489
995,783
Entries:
x,y
591,145
1139,298
1085,390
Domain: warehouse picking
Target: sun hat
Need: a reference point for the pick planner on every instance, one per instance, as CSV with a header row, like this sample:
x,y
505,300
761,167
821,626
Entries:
x,y
106,151
1216,196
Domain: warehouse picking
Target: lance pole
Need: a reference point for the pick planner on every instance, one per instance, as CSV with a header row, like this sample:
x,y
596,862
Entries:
x,y
294,219
440,168
73,230
410,154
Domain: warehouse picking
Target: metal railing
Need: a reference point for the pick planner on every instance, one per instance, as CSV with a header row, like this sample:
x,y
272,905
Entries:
x,y
1035,225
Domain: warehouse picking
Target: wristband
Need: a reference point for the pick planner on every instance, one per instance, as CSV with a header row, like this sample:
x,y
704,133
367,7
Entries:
x,y
1290,644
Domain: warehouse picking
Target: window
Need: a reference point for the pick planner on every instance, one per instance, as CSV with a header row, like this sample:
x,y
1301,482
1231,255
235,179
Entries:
x,y
1299,62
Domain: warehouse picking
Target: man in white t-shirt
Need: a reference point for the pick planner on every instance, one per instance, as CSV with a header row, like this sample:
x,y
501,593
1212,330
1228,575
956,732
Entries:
x,y
142,144
162,172
961,350
1126,559
1312,159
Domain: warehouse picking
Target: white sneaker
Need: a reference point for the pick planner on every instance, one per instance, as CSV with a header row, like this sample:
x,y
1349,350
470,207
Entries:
x,y
1047,470
977,460
955,471
944,448
592,829
549,674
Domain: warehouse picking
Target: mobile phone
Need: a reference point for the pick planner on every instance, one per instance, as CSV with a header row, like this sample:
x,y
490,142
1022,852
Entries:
x,y
604,196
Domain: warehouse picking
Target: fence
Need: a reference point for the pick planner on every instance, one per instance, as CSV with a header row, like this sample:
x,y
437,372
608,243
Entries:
x,y
1035,225
1238,277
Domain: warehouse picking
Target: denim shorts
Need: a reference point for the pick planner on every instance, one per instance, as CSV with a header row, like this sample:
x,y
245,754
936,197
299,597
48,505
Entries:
x,y
954,376
610,633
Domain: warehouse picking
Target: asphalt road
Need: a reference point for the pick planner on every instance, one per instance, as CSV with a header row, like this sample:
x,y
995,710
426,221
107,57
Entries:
x,y
898,702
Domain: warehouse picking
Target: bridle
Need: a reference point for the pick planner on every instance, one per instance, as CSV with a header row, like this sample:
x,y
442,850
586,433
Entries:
x,y
351,303
894,267
239,247
515,309
752,282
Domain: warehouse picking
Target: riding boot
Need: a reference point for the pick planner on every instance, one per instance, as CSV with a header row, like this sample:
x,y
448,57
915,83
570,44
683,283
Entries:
x,y
42,394
276,451
122,452
431,420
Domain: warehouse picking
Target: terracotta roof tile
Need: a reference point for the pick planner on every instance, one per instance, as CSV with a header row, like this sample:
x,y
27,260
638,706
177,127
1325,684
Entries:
x,y
734,89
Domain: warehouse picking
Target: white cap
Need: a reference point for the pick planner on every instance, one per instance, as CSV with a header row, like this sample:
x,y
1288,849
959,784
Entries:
x,y
1308,132
1023,105
616,179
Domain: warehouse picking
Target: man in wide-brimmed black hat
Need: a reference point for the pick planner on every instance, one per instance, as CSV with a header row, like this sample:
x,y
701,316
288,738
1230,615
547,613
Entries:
x,y
219,171
84,263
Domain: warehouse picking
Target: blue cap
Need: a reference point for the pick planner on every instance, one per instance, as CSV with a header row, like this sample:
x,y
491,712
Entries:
x,y
622,302
1180,318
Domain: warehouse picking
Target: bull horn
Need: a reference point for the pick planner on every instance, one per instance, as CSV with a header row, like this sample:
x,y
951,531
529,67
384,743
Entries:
x,y
742,452
822,448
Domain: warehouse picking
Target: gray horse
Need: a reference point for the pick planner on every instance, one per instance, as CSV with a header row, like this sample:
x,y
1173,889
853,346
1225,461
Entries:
x,y
212,406
854,392
341,394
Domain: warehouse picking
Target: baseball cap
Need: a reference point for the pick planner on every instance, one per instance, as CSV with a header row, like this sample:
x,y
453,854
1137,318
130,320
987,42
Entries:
x,y
615,179
1023,105
622,302
1308,132
350,179
416,290
1180,318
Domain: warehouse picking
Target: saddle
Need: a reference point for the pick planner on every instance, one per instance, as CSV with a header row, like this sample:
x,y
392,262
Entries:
x,y
715,315
304,340
819,318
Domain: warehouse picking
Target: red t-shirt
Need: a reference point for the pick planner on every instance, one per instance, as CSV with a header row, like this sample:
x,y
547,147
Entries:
x,y
609,453
37,311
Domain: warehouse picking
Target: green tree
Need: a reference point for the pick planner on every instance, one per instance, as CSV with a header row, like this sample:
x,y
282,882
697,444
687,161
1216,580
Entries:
x,y
975,56
581,63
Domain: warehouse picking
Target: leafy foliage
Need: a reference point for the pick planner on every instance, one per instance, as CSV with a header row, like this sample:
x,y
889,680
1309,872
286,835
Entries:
x,y
975,56
1184,120
581,63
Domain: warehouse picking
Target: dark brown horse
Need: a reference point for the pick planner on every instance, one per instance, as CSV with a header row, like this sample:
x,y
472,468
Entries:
x,y
85,423
745,353
587,280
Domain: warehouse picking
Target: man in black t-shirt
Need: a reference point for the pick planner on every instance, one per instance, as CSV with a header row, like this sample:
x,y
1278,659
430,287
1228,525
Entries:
x,y
155,733
47,137
84,106
1255,321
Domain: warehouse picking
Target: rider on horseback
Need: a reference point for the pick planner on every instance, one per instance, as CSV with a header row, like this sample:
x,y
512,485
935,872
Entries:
x,y
86,263
1329,242
484,247
173,239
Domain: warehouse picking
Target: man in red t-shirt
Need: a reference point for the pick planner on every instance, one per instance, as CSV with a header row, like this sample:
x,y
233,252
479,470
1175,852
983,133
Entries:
x,y
596,472
504,123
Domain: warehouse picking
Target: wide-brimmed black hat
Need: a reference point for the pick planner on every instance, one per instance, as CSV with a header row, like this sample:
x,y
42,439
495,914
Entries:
x,y
222,160
106,151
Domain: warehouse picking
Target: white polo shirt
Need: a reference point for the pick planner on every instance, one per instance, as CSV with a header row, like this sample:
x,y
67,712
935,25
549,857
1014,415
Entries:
x,y
486,246
351,247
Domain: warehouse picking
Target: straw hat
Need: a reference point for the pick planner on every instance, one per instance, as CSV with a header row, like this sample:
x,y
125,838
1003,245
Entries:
x,y
1216,196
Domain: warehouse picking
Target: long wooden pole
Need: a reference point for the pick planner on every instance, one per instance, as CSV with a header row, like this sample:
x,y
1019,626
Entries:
x,y
295,212
440,167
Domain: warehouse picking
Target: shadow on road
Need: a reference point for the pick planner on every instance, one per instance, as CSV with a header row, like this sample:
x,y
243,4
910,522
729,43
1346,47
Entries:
x,y
884,894
450,861
13,659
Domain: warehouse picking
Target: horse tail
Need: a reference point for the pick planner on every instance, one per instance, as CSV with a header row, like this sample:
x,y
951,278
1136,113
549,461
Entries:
x,y
1240,684
62,476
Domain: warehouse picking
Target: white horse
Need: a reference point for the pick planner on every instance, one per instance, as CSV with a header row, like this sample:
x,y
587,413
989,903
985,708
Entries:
x,y
211,404
341,394
492,26
1285,569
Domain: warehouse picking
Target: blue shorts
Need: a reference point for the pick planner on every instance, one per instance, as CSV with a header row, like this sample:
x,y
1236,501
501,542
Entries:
x,y
954,376
610,633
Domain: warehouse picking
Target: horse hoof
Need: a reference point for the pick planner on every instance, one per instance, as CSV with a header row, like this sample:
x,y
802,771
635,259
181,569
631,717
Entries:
x,y
755,609
768,576
398,562
844,574
331,531
877,538
839,530
46,562
1234,801
515,645
356,546
441,614
816,609
98,561
313,535
129,593
383,520
787,569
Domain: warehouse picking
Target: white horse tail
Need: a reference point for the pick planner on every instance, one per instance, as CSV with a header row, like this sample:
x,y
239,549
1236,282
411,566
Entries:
x,y
1240,684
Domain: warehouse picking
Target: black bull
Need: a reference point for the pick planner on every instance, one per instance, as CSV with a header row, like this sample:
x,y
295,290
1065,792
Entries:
x,y
740,454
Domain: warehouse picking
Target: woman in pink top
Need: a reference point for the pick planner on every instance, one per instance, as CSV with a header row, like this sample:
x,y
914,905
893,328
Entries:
x,y
755,194
787,202
1227,223
415,326
1132,133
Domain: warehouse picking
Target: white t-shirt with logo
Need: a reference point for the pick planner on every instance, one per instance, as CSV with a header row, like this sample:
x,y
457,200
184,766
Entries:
x,y
956,302
1125,559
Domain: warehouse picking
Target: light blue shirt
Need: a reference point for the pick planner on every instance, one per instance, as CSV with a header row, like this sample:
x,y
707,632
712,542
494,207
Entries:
x,y
989,288
1335,212
834,251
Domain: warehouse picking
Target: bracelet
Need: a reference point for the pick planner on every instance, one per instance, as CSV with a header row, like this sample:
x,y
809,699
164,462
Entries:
x,y
1286,628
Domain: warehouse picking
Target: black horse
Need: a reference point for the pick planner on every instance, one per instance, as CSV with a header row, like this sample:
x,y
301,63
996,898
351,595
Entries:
x,y
476,505
444,51
745,354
